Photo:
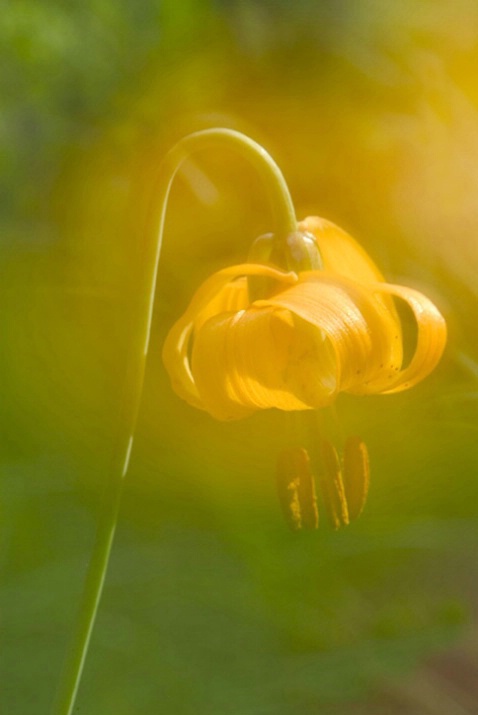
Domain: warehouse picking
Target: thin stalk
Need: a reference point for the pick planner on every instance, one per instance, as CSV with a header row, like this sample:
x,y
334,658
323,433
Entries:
x,y
285,223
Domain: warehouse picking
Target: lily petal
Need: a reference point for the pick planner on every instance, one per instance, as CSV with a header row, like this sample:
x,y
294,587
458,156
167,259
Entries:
x,y
340,253
431,337
232,297
240,361
213,292
360,329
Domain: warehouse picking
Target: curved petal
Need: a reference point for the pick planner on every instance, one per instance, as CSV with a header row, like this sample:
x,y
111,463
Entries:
x,y
232,297
341,254
431,337
360,329
240,363
212,370
214,291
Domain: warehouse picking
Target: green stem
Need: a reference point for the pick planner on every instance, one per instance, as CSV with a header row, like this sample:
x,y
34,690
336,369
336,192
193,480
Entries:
x,y
285,223
280,200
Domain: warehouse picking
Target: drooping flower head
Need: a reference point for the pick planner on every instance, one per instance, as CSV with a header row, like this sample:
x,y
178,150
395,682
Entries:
x,y
257,336
318,333
307,317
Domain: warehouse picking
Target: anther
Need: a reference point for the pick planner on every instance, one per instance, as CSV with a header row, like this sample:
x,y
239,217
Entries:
x,y
356,475
296,489
332,487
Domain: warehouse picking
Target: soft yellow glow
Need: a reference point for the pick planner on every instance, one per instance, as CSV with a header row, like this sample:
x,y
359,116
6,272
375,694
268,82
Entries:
x,y
320,333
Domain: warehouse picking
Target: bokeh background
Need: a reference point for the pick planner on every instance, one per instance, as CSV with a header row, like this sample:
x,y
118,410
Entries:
x,y
211,605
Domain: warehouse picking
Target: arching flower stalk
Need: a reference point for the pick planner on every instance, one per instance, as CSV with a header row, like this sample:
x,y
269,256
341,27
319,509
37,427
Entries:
x,y
307,317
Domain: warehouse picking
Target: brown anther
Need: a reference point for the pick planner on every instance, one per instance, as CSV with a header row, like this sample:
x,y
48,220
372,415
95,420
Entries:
x,y
332,487
356,475
296,489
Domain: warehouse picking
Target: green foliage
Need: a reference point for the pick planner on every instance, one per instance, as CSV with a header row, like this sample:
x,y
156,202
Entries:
x,y
61,66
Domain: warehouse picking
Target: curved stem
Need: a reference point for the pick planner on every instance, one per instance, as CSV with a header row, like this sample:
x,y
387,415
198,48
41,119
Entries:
x,y
279,196
285,223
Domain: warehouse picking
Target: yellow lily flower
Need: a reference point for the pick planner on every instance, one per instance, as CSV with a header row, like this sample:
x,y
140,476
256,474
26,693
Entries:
x,y
258,336
318,333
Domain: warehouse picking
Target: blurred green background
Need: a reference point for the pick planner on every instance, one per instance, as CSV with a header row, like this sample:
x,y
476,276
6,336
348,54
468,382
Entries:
x,y
211,605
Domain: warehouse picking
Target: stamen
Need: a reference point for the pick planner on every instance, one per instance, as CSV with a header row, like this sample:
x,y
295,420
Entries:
x,y
356,475
332,487
296,489
344,484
